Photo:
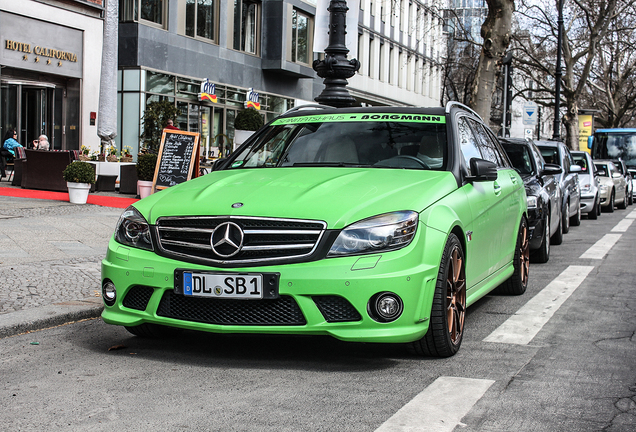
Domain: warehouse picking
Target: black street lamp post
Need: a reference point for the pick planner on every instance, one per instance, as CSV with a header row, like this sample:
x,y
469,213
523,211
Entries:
x,y
556,136
335,68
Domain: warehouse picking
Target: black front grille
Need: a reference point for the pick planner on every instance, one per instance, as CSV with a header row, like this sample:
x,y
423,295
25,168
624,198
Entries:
x,y
336,309
138,297
281,311
264,239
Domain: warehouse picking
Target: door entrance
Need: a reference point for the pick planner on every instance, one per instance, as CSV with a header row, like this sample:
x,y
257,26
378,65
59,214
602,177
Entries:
x,y
32,110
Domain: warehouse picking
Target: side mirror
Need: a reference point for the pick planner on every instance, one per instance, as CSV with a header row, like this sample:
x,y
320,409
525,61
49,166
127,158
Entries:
x,y
482,170
551,169
590,141
575,169
617,175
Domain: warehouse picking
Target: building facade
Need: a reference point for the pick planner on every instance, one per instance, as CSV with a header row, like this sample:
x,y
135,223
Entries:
x,y
48,74
213,58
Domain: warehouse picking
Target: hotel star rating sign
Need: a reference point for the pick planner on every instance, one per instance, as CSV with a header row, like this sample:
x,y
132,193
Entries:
x,y
530,114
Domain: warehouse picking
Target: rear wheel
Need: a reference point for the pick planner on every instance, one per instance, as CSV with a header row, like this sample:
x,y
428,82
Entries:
x,y
576,219
446,327
594,213
630,199
542,255
565,218
518,282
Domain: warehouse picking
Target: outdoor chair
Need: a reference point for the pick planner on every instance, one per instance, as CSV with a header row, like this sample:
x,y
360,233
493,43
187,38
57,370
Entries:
x,y
16,164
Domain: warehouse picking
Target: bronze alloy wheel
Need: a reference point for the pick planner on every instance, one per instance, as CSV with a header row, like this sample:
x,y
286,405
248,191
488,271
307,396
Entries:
x,y
524,254
456,296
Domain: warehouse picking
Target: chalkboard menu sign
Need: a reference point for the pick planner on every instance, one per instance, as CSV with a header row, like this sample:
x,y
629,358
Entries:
x,y
177,158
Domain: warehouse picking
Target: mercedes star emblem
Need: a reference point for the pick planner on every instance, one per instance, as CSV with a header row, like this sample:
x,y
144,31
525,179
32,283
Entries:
x,y
227,239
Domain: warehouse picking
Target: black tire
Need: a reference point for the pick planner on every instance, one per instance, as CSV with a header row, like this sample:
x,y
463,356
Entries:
x,y
623,204
595,211
610,207
630,200
557,237
153,331
565,218
576,219
542,255
448,312
518,282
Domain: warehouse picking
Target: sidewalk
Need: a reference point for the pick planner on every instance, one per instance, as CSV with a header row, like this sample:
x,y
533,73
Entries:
x,y
50,256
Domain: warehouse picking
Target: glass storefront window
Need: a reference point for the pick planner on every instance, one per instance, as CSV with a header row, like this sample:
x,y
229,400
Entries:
x,y
188,88
159,83
234,97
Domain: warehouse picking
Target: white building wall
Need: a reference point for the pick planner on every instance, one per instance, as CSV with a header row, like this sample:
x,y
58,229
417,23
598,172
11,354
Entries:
x,y
397,70
93,34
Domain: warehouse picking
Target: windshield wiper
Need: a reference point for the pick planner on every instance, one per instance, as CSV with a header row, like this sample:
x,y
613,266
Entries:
x,y
330,164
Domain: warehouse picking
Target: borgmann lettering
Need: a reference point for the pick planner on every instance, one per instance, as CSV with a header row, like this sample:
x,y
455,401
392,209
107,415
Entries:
x,y
402,117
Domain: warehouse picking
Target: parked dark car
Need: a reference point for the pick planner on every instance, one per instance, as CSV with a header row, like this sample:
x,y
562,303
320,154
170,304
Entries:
x,y
589,184
622,168
556,152
543,195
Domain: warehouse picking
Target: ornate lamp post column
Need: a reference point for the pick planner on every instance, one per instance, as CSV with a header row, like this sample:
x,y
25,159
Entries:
x,y
335,68
556,135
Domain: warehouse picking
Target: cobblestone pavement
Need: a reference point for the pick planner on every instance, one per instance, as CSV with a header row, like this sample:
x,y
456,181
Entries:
x,y
51,251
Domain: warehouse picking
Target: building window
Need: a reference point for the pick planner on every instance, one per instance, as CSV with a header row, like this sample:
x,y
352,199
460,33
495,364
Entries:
x,y
201,19
301,34
142,10
246,26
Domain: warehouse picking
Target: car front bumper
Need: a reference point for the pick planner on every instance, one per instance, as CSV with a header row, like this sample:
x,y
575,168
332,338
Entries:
x,y
588,203
144,284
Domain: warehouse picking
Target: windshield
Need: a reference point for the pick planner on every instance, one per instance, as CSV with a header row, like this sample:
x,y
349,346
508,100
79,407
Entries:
x,y
615,145
519,157
349,140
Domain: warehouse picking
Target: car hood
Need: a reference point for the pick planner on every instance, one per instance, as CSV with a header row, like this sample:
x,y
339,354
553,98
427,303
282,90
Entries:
x,y
338,196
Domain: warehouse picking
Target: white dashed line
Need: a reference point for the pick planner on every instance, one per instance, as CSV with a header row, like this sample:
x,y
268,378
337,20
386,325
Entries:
x,y
524,325
623,225
632,215
440,407
601,247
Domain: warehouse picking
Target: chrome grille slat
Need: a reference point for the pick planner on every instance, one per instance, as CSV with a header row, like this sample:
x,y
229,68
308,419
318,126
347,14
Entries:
x,y
265,239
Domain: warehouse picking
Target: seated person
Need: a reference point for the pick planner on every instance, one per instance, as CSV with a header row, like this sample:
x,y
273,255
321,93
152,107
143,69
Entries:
x,y
42,143
10,141
431,152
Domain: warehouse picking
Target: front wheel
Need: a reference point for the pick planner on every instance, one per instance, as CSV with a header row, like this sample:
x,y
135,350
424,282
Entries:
x,y
576,219
623,204
557,237
610,207
518,282
542,255
448,312
595,211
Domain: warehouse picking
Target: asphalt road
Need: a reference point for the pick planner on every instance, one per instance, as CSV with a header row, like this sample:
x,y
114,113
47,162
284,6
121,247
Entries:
x,y
570,367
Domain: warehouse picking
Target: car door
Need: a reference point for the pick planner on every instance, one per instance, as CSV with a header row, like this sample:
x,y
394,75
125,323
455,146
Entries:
x,y
512,192
483,240
572,182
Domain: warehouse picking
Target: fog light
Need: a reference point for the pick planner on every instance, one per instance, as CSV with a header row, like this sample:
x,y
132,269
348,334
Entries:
x,y
109,292
385,307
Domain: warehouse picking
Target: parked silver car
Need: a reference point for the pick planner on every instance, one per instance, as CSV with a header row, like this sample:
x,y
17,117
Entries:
x,y
612,185
632,171
588,182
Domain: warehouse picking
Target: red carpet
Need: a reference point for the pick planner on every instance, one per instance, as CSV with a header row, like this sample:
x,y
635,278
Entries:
x,y
100,200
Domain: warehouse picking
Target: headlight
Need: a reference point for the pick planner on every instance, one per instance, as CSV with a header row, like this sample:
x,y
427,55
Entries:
x,y
133,230
532,202
385,232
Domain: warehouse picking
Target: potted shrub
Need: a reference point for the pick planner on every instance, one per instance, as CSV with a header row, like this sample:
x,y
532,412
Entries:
x,y
79,177
246,122
146,164
111,154
126,154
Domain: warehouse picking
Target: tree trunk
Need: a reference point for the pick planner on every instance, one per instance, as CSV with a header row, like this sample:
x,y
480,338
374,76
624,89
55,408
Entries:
x,y
496,33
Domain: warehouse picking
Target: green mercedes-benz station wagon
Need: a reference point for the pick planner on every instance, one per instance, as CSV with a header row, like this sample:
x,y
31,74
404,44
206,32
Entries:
x,y
366,224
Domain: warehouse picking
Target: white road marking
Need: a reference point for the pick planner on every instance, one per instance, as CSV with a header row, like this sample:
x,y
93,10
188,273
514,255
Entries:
x,y
601,247
632,215
623,225
524,325
440,407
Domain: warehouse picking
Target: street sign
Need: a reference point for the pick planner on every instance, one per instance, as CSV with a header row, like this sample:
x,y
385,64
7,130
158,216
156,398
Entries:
x,y
530,114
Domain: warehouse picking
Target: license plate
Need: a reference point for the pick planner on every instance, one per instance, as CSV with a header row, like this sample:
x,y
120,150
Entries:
x,y
235,286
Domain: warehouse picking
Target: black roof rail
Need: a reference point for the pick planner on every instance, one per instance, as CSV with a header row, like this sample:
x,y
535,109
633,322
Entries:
x,y
306,107
451,104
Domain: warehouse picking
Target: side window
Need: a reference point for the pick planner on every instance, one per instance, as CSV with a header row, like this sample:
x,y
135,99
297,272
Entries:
x,y
488,150
467,142
538,157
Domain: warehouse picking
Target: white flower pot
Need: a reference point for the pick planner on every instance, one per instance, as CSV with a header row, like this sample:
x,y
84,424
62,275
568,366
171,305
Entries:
x,y
145,188
78,192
